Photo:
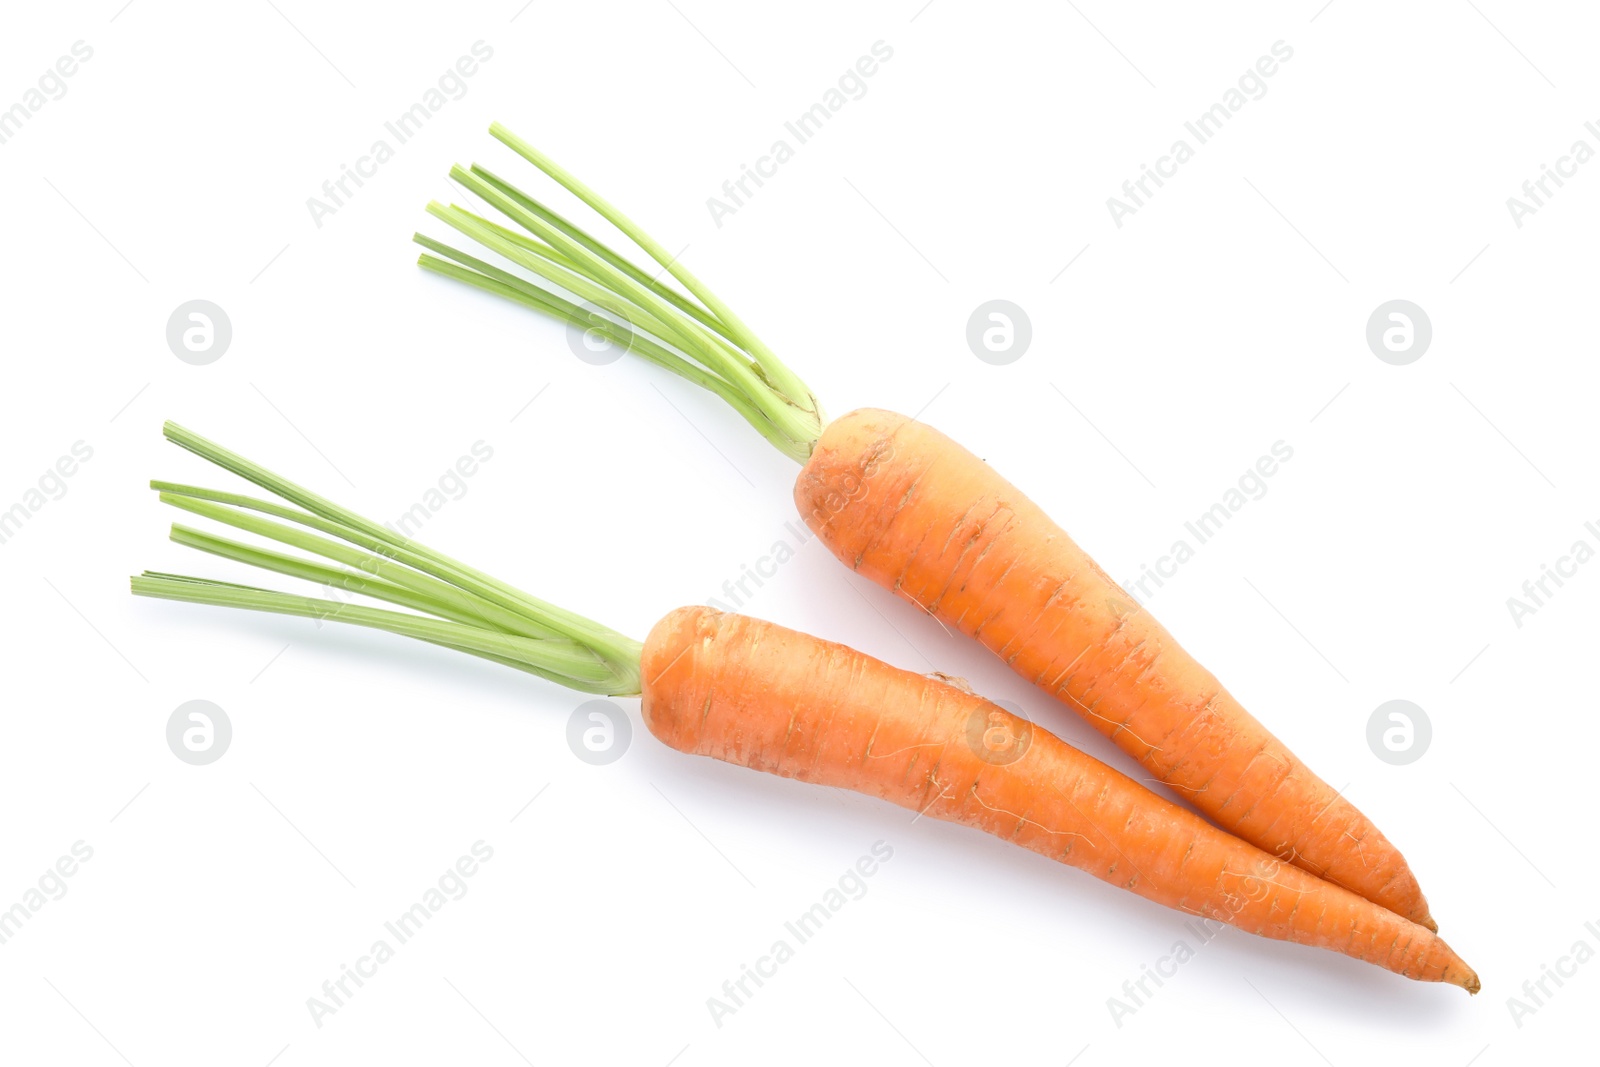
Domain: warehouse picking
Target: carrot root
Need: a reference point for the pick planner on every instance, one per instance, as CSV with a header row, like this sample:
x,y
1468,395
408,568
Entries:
x,y
906,506
756,694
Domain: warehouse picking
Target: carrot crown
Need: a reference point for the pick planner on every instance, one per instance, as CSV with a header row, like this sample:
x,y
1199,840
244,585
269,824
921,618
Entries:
x,y
452,604
692,334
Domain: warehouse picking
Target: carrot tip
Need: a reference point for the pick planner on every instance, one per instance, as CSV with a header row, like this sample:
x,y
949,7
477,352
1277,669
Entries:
x,y
1468,981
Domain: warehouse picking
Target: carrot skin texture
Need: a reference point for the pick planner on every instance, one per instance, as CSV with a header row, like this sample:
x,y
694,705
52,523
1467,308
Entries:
x,y
904,505
756,694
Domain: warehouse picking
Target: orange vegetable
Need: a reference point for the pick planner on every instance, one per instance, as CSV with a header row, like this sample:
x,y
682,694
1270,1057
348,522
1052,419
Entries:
x,y
904,505
752,693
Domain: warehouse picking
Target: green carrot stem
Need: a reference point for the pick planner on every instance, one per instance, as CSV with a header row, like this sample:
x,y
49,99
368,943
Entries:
x,y
724,354
709,348
388,561
491,279
564,662
678,300
788,384
473,591
481,612
623,335
550,268
334,578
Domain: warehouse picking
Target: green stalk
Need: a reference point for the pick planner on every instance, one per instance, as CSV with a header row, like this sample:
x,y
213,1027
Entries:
x,y
618,261
636,303
570,666
787,383
501,283
551,269
474,612
724,353
424,559
711,350
189,498
331,577
443,593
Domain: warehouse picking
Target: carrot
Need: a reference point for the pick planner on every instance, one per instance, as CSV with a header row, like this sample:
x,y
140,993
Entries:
x,y
761,696
910,509
752,693
904,505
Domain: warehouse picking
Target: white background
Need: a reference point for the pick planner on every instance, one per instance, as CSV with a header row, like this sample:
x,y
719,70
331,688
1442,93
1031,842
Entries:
x,y
1227,314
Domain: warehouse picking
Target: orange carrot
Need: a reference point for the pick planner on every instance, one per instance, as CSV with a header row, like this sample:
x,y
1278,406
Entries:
x,y
752,693
915,512
904,505
756,694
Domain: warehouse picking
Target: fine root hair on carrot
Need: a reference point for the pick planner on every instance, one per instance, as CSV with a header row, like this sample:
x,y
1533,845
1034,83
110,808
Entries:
x,y
1023,820
900,751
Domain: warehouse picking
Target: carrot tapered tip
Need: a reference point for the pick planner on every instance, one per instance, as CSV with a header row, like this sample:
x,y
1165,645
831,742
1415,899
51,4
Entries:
x,y
1457,972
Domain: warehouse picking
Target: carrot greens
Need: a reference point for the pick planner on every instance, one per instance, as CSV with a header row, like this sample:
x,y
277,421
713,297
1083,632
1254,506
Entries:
x,y
461,608
691,333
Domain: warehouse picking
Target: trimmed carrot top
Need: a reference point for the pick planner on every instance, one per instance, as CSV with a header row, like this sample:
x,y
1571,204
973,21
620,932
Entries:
x,y
460,607
693,334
